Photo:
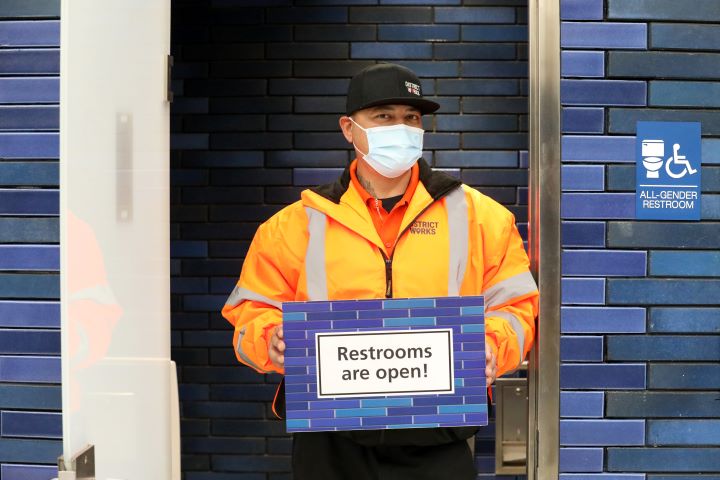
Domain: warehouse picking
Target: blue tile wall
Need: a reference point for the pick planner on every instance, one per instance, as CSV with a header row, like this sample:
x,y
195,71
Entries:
x,y
30,426
575,404
581,460
258,91
663,56
604,263
583,291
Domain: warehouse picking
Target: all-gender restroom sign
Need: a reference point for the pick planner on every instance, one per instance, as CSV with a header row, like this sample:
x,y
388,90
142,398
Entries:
x,y
668,157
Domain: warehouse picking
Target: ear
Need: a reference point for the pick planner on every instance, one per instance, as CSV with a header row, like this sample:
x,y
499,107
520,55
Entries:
x,y
346,127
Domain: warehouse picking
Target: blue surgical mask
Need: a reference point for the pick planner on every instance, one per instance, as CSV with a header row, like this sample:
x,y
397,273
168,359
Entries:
x,y
392,150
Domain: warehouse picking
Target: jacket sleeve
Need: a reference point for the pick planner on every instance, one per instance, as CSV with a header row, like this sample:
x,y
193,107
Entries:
x,y
511,296
269,277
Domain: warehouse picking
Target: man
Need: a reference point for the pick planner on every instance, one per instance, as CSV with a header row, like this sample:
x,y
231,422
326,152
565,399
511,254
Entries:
x,y
388,227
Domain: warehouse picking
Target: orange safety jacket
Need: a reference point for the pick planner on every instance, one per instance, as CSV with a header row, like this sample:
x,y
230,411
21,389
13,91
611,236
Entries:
x,y
453,240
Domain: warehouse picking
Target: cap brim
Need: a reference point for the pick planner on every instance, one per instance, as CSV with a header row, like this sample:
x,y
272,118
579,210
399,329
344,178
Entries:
x,y
425,106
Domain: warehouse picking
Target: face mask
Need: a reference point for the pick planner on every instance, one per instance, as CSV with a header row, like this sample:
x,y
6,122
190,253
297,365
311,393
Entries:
x,y
392,150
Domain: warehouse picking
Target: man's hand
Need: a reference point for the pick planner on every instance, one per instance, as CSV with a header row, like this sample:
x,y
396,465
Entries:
x,y
276,348
490,366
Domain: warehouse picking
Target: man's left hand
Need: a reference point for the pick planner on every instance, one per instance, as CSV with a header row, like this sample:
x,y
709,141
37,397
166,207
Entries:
x,y
490,366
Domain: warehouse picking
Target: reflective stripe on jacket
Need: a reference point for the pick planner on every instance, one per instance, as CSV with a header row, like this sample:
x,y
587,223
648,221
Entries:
x,y
453,241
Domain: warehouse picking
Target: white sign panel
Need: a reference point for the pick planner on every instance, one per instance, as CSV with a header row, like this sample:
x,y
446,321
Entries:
x,y
401,362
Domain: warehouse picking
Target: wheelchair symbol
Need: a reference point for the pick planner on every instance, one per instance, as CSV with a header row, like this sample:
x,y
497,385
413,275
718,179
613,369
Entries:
x,y
678,160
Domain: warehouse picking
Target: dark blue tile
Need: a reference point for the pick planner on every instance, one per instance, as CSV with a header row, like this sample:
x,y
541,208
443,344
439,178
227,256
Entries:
x,y
307,15
583,291
581,460
30,397
16,286
603,92
583,234
476,87
582,404
663,65
25,369
583,120
583,178
603,35
602,432
581,349
477,51
663,459
28,472
582,64
684,376
663,348
581,10
624,120
29,451
31,424
661,292
315,176
684,320
603,206
601,377
495,69
29,173
704,11
390,50
602,320
433,68
30,33
33,61
428,33
29,314
475,15
663,235
29,145
684,36
480,158
29,90
494,33
604,263
594,149
35,9
469,123
29,257
684,432
661,404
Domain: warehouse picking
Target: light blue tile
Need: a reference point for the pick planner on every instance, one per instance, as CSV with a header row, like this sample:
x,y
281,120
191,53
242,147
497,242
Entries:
x,y
472,310
661,292
599,149
462,408
604,432
297,423
685,36
601,206
583,178
603,263
409,303
386,402
684,432
685,94
581,9
582,404
361,412
602,320
583,291
409,322
627,376
684,264
582,63
603,92
603,35
581,460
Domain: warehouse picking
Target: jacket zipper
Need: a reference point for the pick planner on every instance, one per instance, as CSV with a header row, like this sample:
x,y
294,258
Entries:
x,y
388,261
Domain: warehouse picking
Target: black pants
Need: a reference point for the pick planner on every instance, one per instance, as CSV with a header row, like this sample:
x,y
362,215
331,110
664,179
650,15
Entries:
x,y
329,456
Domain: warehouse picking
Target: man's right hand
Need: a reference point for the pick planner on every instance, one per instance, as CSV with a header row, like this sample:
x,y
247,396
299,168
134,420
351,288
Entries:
x,y
276,348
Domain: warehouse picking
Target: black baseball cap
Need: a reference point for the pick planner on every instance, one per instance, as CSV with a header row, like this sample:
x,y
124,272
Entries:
x,y
386,83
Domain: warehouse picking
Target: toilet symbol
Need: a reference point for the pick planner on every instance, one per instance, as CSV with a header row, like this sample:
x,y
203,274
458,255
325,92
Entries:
x,y
653,152
678,160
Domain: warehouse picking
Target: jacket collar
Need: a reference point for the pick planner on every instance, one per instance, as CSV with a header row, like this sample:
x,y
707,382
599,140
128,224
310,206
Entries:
x,y
341,201
437,184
